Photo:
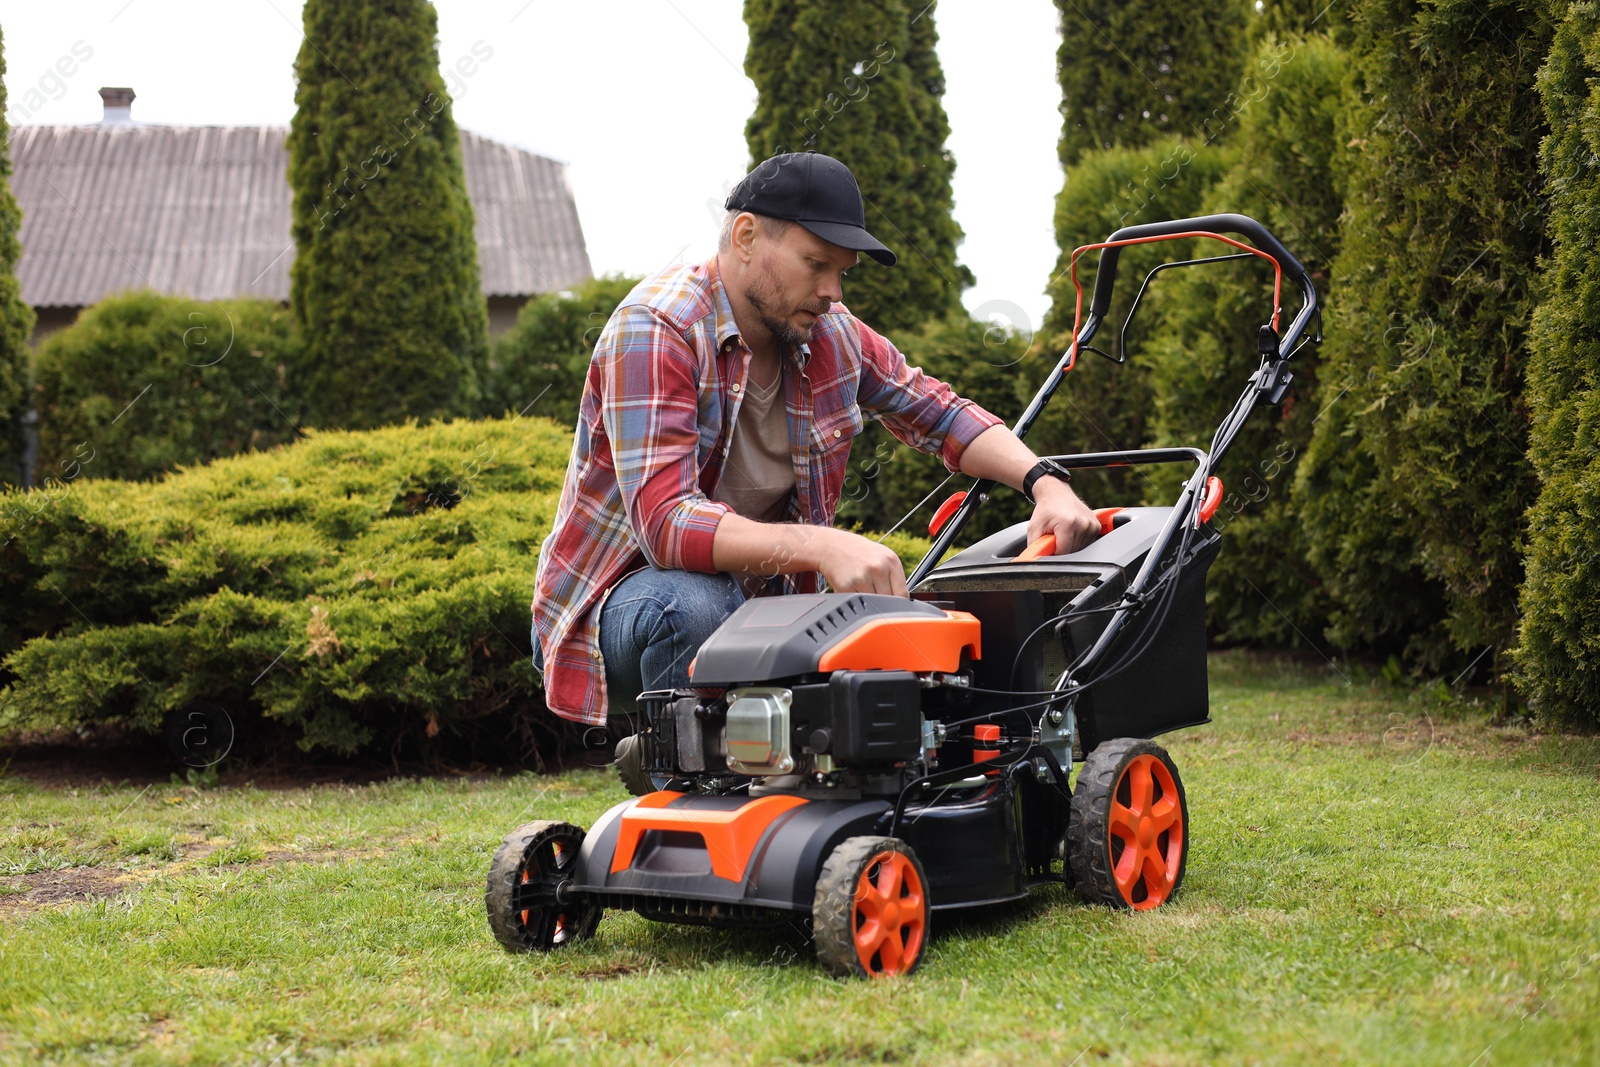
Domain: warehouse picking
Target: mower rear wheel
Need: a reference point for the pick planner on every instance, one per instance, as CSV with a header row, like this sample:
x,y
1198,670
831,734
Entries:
x,y
528,896
1128,833
870,914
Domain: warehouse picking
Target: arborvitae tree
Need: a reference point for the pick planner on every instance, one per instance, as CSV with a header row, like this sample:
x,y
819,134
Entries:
x,y
1202,335
861,82
385,284
16,317
1416,481
1559,653
1133,71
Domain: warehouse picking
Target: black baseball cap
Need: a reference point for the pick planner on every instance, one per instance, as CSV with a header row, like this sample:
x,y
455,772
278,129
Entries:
x,y
815,190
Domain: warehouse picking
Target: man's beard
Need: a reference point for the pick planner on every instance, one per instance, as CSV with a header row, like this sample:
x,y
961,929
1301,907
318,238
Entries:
x,y
762,295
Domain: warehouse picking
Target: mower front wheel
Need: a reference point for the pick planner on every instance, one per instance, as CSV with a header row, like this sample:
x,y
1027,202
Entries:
x,y
531,908
1128,832
870,915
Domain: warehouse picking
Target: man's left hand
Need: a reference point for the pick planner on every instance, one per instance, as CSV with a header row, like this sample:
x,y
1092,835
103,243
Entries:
x,y
1058,510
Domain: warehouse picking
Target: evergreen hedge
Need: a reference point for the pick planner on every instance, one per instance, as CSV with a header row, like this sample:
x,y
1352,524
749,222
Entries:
x,y
362,589
1137,71
142,383
356,587
538,366
1559,652
16,317
860,81
1415,484
1200,342
385,282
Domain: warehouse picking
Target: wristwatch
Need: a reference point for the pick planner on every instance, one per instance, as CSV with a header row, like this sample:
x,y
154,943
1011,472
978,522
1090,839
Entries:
x,y
1040,469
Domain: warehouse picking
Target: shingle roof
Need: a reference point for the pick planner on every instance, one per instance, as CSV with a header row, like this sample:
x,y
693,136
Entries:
x,y
204,211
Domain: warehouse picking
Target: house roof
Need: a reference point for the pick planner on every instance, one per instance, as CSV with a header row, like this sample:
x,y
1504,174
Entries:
x,y
204,211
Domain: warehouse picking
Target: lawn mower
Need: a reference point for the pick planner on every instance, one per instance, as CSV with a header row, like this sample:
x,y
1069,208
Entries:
x,y
865,762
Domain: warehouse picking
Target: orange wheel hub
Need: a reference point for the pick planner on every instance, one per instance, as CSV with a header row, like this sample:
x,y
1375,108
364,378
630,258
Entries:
x,y
890,917
562,928
1146,833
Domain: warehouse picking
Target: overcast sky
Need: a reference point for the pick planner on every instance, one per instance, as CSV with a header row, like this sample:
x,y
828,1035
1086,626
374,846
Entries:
x,y
645,99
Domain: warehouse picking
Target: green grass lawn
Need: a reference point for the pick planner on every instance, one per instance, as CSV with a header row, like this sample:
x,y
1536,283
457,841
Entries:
x,y
1376,876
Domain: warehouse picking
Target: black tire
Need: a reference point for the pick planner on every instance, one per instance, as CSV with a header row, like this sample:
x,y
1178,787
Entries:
x,y
860,877
530,906
1112,814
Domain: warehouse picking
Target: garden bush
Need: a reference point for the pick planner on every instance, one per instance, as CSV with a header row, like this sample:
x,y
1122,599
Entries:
x,y
1415,484
354,586
359,588
1558,655
538,366
142,383
1200,342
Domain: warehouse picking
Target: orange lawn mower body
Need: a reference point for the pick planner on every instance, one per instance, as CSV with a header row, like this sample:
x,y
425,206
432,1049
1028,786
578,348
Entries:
x,y
867,762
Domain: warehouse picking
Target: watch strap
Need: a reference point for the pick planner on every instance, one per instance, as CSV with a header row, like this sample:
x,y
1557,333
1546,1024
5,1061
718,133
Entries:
x,y
1039,470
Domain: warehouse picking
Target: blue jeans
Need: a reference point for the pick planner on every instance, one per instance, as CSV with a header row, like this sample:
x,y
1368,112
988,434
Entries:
x,y
651,626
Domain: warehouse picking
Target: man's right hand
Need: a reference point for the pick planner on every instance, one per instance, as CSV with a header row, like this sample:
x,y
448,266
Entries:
x,y
849,562
855,564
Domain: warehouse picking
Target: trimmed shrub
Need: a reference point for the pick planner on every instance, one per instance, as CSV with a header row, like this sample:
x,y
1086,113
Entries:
x,y
1201,335
1558,657
385,282
356,587
16,317
538,366
142,383
1415,485
362,589
860,82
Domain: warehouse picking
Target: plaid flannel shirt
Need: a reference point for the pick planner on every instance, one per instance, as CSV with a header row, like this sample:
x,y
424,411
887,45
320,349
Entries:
x,y
659,408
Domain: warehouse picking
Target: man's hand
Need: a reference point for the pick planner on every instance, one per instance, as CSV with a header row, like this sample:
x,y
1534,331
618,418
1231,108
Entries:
x,y
850,563
1058,510
855,564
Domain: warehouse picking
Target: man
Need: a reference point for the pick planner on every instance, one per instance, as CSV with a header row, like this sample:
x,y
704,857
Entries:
x,y
713,439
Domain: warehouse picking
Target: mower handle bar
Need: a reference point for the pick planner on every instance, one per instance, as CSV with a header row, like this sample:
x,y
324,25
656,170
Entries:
x,y
1099,305
1243,225
1105,276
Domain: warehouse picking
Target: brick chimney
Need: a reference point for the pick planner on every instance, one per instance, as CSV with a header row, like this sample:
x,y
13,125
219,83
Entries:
x,y
119,105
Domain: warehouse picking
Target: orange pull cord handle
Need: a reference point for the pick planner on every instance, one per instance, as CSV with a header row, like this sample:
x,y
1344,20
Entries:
x,y
1045,544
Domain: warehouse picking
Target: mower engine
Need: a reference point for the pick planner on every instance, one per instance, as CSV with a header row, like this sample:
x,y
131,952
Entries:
x,y
824,692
